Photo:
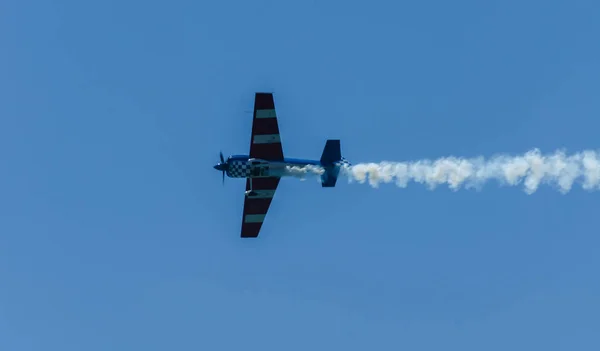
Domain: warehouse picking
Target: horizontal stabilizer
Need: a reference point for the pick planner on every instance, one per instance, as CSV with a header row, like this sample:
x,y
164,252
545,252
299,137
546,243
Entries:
x,y
332,153
329,178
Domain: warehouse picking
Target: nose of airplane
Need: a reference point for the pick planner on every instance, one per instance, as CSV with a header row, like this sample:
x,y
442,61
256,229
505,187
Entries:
x,y
219,167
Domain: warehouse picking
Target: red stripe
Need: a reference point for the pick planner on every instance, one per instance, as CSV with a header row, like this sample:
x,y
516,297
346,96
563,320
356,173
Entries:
x,y
272,151
263,101
265,126
250,230
265,183
256,206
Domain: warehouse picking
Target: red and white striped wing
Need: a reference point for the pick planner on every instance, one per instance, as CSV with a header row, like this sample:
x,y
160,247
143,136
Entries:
x,y
255,209
265,142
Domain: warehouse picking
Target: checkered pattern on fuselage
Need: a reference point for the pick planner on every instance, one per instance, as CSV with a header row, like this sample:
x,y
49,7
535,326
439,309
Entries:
x,y
238,169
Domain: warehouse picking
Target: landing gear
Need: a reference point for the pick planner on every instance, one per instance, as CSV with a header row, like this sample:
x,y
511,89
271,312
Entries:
x,y
251,192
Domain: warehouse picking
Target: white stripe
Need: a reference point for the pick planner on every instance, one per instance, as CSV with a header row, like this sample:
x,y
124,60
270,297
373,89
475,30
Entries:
x,y
254,218
263,194
265,114
266,139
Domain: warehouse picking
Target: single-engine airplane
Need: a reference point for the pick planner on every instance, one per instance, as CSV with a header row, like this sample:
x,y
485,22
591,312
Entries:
x,y
264,167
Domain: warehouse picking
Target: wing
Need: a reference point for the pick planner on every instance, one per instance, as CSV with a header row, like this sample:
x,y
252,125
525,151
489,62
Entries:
x,y
265,141
256,208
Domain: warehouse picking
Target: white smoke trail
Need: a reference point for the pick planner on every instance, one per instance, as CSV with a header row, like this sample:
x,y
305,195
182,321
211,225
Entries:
x,y
530,169
302,172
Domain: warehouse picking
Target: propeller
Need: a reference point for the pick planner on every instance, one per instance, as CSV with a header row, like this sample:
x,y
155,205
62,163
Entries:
x,y
222,163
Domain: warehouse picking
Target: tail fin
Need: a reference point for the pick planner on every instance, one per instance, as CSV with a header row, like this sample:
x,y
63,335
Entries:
x,y
331,160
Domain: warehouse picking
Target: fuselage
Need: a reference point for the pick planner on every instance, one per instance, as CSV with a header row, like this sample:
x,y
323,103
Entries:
x,y
242,166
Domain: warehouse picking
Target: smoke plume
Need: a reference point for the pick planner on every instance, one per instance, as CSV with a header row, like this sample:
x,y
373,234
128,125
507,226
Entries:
x,y
529,170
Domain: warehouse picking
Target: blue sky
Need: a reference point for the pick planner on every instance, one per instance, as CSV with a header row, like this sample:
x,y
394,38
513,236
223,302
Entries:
x,y
116,233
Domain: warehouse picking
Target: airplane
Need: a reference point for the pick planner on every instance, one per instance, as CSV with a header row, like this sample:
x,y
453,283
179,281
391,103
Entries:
x,y
265,165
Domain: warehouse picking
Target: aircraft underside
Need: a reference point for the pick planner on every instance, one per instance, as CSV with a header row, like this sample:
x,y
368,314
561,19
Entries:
x,y
265,165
